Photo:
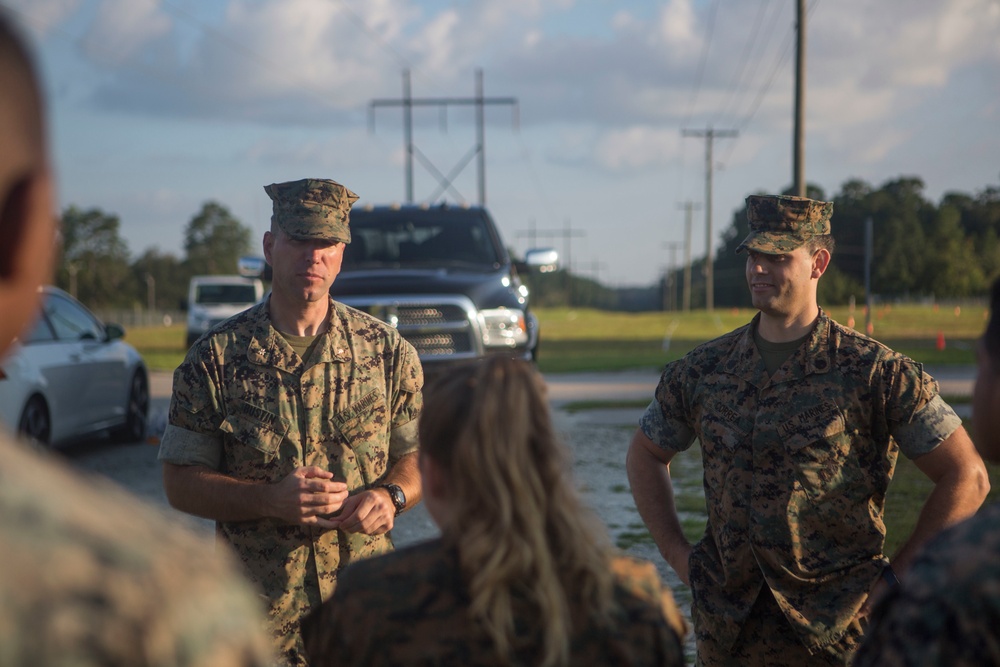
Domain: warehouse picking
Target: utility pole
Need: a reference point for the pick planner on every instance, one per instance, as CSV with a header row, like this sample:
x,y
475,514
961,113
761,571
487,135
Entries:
x,y
688,207
531,233
408,102
670,287
709,135
150,292
798,140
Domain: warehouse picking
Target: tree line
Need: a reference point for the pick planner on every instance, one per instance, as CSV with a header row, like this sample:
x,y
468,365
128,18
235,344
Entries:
x,y
96,267
921,250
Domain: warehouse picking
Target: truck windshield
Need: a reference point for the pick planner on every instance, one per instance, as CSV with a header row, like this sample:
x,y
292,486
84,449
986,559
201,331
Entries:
x,y
226,294
419,237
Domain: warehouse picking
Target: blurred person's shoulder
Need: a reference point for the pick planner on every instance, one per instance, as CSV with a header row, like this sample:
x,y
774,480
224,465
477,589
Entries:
x,y
92,575
639,578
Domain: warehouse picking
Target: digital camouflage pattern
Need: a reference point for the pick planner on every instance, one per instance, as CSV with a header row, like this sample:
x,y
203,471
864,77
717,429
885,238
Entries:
x,y
766,640
92,577
312,208
796,467
947,610
780,224
350,408
411,608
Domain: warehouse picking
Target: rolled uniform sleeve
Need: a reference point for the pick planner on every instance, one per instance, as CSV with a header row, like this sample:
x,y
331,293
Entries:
x,y
192,436
919,419
407,402
182,447
663,422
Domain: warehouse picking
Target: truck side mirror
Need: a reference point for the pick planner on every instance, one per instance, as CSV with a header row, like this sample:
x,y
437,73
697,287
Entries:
x,y
543,260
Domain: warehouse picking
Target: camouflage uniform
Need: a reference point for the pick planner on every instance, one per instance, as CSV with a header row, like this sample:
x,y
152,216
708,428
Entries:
x,y
91,576
947,610
411,608
796,470
244,403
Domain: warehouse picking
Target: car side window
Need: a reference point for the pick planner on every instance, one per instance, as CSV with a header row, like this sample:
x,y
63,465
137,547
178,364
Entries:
x,y
40,332
70,321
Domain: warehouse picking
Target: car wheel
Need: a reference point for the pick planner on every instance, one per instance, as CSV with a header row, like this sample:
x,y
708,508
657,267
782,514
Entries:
x,y
136,411
35,424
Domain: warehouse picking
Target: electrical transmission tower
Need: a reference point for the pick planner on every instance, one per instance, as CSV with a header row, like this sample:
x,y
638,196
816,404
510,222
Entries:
x,y
407,102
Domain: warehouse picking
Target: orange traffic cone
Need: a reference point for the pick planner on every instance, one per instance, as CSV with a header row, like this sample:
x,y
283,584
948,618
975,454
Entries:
x,y
940,341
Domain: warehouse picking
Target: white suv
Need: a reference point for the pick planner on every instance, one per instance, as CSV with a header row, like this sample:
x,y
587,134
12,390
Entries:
x,y
212,299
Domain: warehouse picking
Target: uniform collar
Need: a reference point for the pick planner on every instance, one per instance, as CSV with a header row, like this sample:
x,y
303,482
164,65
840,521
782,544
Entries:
x,y
813,357
269,348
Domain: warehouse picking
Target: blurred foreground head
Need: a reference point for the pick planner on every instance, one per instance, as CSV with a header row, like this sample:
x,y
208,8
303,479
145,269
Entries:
x,y
986,394
497,481
27,221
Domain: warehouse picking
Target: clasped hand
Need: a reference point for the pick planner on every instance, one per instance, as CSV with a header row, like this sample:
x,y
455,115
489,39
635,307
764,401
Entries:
x,y
308,496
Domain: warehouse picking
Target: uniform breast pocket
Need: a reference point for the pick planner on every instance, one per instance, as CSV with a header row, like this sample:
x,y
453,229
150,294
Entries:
x,y
253,439
821,452
364,427
363,420
816,433
721,425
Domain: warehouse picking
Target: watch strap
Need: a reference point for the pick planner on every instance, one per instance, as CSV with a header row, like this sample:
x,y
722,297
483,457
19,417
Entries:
x,y
397,496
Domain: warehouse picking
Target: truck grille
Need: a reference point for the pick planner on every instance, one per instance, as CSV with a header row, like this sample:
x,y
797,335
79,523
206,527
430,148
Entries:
x,y
422,316
439,328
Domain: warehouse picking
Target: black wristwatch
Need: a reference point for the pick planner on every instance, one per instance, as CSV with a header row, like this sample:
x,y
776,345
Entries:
x,y
397,496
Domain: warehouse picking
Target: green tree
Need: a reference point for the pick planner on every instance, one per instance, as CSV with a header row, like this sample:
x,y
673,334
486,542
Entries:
x,y
94,263
948,269
163,277
214,241
899,210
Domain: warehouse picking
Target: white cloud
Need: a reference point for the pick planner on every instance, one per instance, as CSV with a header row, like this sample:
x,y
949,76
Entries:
x,y
677,26
637,147
123,27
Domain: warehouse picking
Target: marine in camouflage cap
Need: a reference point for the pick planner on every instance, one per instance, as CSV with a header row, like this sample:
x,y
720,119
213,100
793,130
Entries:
x,y
781,223
312,208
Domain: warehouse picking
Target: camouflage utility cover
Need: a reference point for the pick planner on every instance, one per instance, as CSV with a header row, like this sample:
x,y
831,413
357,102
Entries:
x,y
796,467
412,608
312,208
948,610
780,224
92,577
349,408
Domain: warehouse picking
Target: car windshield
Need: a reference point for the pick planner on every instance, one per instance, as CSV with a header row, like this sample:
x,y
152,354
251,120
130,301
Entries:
x,y
226,294
419,237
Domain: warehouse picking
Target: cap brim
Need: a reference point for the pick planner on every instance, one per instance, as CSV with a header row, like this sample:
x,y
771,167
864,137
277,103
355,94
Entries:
x,y
771,243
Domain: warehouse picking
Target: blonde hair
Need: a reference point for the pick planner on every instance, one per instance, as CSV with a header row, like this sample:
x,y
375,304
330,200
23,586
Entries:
x,y
533,557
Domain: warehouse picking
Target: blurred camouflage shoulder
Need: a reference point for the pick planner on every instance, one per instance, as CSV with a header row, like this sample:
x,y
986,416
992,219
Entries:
x,y
947,608
91,575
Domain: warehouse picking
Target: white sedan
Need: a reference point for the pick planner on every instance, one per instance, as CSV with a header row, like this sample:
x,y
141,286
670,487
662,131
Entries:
x,y
73,376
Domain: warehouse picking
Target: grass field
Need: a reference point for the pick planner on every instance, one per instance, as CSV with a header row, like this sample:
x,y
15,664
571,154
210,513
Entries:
x,y
575,340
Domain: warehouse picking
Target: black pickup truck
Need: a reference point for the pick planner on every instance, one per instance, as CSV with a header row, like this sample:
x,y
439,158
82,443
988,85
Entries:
x,y
442,276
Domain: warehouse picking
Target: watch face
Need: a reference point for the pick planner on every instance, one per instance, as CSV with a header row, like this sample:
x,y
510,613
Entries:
x,y
397,495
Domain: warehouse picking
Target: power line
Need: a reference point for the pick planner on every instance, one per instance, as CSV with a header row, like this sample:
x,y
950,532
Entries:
x,y
704,59
746,57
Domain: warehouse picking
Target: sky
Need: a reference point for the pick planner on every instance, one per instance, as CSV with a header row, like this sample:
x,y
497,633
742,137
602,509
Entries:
x,y
158,106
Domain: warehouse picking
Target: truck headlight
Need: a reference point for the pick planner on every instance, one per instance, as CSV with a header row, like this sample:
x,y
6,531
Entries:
x,y
503,327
